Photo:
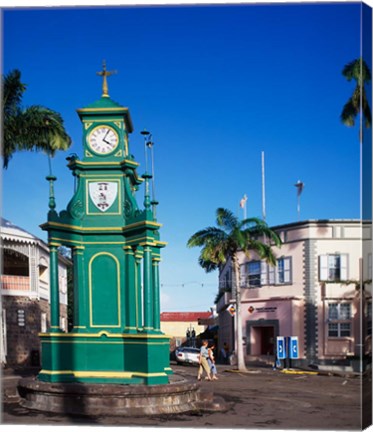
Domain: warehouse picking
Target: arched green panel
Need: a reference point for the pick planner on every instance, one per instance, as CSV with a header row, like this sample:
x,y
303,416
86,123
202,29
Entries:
x,y
104,290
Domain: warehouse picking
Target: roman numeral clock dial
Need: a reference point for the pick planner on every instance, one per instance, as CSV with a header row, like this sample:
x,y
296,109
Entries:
x,y
103,140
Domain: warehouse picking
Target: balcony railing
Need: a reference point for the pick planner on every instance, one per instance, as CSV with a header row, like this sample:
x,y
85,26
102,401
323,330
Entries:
x,y
15,283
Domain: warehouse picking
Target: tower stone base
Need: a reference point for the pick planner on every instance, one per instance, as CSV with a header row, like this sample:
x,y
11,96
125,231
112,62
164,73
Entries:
x,y
105,358
179,396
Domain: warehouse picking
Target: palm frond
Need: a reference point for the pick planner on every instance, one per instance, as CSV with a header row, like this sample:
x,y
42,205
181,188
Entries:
x,y
13,90
226,219
34,128
352,70
202,237
219,244
358,71
349,113
366,110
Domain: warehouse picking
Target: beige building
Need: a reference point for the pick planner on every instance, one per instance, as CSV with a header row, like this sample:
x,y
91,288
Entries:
x,y
314,293
179,324
25,294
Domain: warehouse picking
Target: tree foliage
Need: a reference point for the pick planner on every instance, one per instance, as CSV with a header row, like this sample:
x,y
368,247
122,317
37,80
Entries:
x,y
231,236
225,242
32,128
357,71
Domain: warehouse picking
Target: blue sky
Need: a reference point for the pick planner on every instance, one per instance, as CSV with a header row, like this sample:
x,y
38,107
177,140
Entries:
x,y
216,86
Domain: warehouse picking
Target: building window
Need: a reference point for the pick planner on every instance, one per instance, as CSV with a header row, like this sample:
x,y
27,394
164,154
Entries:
x,y
254,274
283,271
333,267
225,282
281,274
259,273
339,315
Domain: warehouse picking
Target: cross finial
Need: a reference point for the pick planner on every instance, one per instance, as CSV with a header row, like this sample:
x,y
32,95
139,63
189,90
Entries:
x,y
104,73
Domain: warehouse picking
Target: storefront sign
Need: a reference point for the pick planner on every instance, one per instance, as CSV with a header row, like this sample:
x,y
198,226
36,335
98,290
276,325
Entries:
x,y
263,309
231,309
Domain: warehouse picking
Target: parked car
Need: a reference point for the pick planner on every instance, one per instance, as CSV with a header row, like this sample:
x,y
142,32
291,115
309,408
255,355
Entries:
x,y
187,355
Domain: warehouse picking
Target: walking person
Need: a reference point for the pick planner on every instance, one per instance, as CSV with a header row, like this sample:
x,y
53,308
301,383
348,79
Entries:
x,y
203,364
211,362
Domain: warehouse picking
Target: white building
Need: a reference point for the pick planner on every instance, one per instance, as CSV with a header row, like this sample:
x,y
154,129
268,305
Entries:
x,y
314,293
25,294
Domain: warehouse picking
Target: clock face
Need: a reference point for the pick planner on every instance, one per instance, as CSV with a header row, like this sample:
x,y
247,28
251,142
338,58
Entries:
x,y
103,140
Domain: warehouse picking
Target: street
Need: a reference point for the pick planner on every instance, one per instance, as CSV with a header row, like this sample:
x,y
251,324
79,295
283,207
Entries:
x,y
259,399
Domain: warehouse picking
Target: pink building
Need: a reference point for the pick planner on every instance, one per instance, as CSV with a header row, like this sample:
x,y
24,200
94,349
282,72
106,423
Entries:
x,y
314,293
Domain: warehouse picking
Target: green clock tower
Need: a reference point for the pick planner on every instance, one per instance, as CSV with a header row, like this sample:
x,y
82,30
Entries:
x,y
116,336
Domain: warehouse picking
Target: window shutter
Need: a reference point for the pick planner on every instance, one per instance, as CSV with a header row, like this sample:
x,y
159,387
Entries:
x,y
263,273
323,267
243,274
343,264
271,275
287,270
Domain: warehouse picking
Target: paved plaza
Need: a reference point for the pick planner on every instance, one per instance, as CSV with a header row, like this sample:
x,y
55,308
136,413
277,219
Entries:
x,y
259,399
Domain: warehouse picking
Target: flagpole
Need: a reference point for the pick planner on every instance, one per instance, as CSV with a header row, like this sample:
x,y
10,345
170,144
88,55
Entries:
x,y
243,205
299,185
263,189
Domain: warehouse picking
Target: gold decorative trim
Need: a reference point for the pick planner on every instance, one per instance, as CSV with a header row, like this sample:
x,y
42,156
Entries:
x,y
89,176
139,224
102,374
109,342
62,225
90,290
119,154
113,109
98,163
144,241
88,243
53,246
108,335
99,120
89,199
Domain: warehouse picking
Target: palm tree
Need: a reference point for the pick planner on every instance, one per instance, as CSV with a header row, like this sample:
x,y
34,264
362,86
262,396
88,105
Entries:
x,y
34,128
358,71
225,242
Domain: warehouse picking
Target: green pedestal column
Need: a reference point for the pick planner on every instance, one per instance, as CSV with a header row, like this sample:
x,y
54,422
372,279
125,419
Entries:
x,y
131,300
54,291
139,296
156,299
148,300
80,294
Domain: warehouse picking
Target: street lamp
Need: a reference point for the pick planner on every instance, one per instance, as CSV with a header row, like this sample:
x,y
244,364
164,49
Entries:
x,y
154,202
148,144
147,136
